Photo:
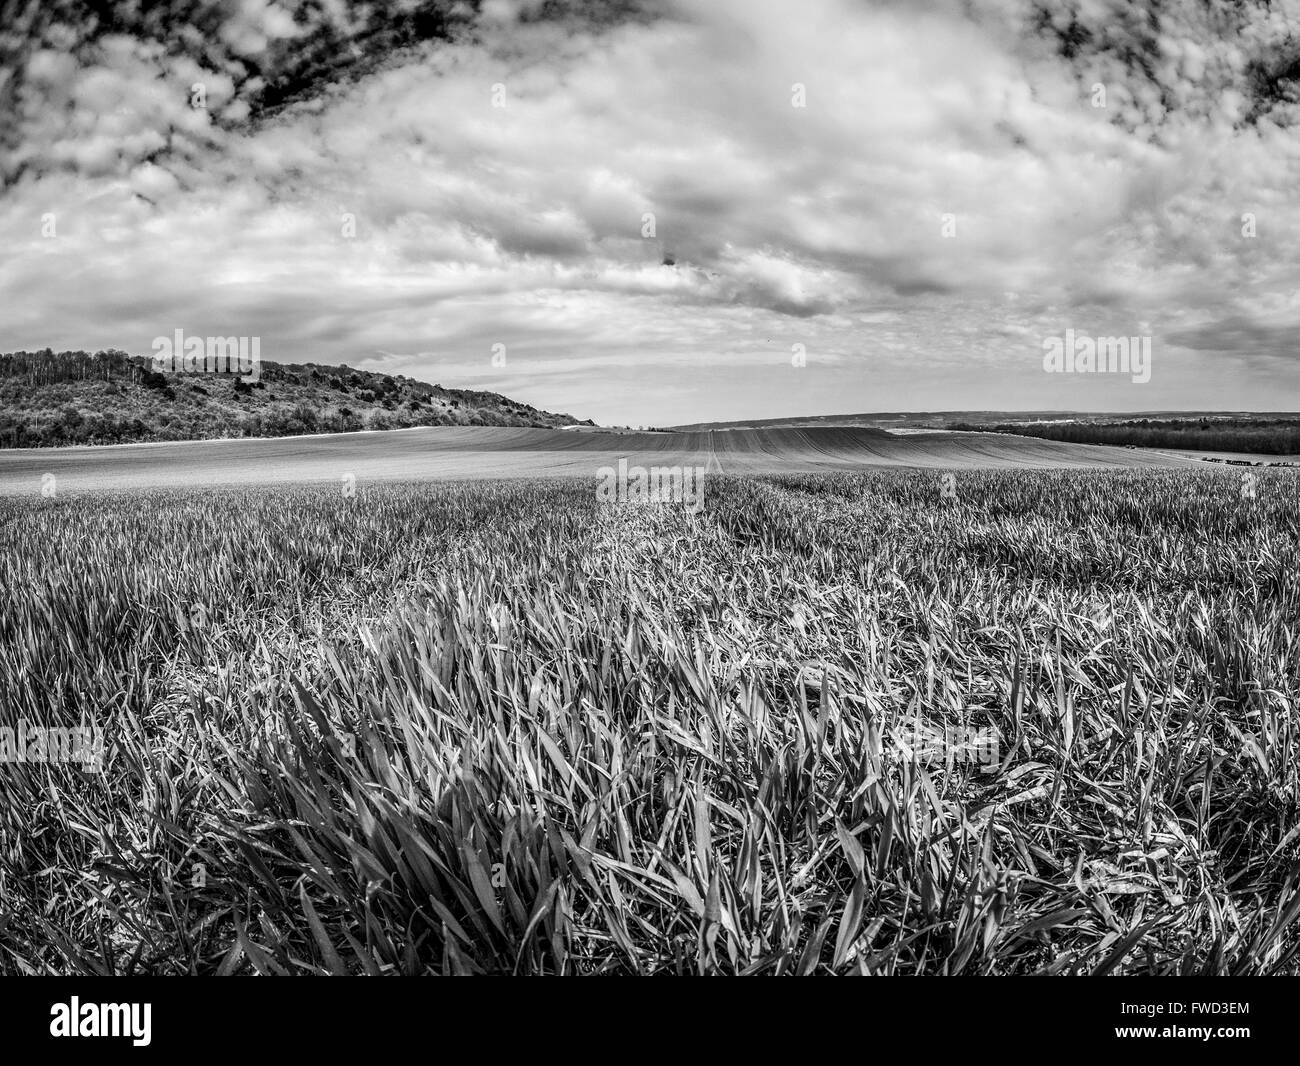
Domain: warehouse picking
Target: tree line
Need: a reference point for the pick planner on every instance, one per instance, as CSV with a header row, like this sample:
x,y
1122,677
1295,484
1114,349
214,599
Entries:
x,y
48,367
1267,436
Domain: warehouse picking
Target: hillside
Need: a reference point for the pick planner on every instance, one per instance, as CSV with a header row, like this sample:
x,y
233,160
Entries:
x,y
50,399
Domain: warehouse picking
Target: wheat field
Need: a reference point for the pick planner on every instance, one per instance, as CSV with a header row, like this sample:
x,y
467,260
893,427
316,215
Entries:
x,y
500,727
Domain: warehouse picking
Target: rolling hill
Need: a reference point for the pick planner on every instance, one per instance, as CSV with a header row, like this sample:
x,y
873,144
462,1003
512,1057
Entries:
x,y
50,399
469,452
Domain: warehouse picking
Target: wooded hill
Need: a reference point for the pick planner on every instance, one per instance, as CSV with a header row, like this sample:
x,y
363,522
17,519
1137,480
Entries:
x,y
52,398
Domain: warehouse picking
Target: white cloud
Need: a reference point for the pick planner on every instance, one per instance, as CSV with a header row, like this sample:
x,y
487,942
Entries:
x,y
820,225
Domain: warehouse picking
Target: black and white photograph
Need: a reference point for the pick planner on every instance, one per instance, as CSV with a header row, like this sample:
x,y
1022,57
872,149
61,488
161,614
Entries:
x,y
650,488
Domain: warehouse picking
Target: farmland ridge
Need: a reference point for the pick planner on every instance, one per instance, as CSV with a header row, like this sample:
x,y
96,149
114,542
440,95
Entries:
x,y
50,399
491,453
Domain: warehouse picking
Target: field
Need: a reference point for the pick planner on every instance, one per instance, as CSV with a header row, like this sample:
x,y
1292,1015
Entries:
x,y
498,726
512,452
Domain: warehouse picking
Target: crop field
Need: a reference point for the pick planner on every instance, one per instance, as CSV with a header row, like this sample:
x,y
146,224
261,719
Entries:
x,y
874,722
480,452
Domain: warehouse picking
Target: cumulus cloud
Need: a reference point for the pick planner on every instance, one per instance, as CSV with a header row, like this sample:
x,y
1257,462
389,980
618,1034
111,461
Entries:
x,y
650,204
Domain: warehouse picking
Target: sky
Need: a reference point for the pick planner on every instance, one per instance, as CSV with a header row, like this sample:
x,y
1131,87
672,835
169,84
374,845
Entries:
x,y
655,212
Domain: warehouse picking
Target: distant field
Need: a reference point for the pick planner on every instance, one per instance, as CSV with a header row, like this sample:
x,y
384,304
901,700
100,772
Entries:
x,y
458,452
966,419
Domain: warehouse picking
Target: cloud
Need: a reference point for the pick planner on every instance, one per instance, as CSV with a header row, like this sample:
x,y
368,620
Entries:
x,y
649,193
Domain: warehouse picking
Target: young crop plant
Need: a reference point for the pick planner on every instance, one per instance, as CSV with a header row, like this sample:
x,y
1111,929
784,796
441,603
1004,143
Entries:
x,y
830,723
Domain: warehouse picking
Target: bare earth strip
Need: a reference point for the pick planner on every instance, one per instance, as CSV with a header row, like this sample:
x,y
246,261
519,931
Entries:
x,y
490,452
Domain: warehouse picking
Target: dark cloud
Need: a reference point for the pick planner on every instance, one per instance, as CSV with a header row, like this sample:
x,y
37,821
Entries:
x,y
1240,335
273,54
1175,61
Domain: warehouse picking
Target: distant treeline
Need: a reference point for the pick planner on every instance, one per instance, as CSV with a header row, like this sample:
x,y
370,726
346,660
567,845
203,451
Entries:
x,y
48,367
1267,436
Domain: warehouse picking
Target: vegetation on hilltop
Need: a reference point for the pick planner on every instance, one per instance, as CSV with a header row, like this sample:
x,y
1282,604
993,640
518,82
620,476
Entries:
x,y
51,399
